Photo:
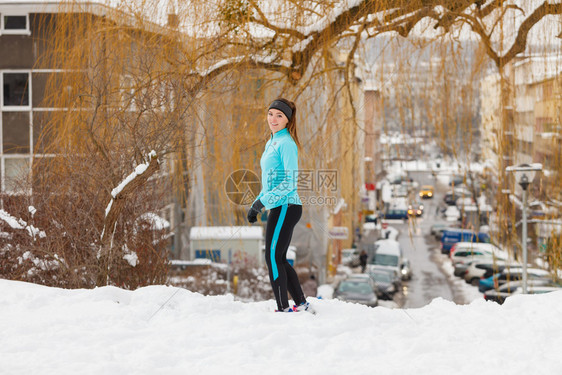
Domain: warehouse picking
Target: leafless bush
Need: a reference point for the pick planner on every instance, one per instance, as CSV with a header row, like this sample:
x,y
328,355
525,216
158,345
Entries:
x,y
69,214
253,282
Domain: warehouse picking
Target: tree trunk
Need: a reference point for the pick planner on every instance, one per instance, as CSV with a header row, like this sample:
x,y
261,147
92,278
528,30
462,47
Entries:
x,y
105,256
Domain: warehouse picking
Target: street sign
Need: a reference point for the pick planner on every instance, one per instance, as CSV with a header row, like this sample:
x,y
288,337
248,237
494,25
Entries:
x,y
338,233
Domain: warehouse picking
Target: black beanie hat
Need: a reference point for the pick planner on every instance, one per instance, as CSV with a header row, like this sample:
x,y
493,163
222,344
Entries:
x,y
283,107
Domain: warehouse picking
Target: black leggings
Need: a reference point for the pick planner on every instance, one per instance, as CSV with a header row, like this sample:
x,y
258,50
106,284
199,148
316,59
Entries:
x,y
280,224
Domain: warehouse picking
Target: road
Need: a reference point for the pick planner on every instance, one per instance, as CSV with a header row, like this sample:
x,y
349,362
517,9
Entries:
x,y
428,279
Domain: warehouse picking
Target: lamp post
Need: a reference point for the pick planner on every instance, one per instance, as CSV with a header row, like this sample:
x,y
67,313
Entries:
x,y
524,175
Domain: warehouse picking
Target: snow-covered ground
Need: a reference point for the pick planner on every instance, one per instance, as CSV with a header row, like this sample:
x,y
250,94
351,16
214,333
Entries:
x,y
164,330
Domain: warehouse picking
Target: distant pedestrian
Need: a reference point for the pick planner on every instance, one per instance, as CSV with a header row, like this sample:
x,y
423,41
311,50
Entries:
x,y
363,260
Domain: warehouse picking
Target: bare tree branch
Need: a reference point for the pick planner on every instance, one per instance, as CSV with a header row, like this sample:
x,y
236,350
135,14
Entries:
x,y
397,15
521,39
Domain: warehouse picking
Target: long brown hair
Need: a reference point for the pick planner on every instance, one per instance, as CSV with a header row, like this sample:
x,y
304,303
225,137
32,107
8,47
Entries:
x,y
292,124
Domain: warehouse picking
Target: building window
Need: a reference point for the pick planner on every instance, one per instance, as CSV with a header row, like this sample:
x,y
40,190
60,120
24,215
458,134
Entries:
x,y
15,24
15,89
16,175
15,132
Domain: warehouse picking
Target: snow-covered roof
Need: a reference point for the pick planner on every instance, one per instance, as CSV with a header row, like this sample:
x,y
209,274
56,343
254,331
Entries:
x,y
226,233
119,11
549,227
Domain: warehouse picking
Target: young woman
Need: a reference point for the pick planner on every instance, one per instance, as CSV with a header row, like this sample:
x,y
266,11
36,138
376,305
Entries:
x,y
279,165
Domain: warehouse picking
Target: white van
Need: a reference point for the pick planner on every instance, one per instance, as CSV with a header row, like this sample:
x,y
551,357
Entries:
x,y
388,255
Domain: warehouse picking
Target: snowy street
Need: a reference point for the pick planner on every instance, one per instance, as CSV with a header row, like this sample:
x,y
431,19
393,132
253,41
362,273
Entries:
x,y
432,272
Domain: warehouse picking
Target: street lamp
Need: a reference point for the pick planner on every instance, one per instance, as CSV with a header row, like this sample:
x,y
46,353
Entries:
x,y
524,175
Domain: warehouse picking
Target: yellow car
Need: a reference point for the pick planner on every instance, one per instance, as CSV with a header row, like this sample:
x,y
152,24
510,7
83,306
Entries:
x,y
426,191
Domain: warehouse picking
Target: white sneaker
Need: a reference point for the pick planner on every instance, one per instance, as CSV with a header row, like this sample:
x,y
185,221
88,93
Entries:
x,y
304,307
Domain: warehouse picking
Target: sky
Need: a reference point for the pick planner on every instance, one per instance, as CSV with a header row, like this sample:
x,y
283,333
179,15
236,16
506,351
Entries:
x,y
165,330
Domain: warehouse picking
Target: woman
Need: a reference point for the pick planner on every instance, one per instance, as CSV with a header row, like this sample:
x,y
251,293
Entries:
x,y
279,165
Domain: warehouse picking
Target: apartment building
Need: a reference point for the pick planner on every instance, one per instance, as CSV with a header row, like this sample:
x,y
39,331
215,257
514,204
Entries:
x,y
22,82
529,101
26,34
533,84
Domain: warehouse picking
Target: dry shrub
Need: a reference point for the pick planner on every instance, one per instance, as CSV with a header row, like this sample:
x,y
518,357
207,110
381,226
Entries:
x,y
212,279
69,209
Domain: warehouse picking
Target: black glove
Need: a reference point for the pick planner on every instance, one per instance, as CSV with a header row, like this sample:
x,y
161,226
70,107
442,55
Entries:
x,y
254,211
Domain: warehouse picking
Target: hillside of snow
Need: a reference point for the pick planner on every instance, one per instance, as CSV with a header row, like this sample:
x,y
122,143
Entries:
x,y
165,330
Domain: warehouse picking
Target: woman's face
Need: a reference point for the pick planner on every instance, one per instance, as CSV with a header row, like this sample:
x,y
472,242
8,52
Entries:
x,y
276,120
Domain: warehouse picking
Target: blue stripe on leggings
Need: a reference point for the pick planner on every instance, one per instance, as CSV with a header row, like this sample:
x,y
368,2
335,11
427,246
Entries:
x,y
278,226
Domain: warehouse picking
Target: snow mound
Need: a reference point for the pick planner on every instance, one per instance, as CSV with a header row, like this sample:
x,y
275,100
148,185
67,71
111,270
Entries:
x,y
165,330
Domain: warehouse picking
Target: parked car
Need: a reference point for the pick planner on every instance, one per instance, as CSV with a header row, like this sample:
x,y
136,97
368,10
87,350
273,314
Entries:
x,y
516,287
460,268
437,229
405,269
451,213
464,256
395,214
462,252
362,276
456,180
373,218
385,287
426,192
450,198
388,253
350,257
388,256
484,269
453,235
357,290
498,279
395,276
461,203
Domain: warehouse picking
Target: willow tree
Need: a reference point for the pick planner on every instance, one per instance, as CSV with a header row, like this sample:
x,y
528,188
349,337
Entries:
x,y
120,104
291,38
188,80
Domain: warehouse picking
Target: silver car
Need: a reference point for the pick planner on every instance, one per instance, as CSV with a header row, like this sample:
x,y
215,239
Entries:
x,y
478,269
357,290
392,273
384,286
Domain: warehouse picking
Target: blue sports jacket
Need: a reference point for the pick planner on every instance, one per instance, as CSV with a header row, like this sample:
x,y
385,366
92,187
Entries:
x,y
279,171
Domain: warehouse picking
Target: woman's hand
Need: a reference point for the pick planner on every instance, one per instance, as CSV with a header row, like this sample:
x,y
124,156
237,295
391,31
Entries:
x,y
254,211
